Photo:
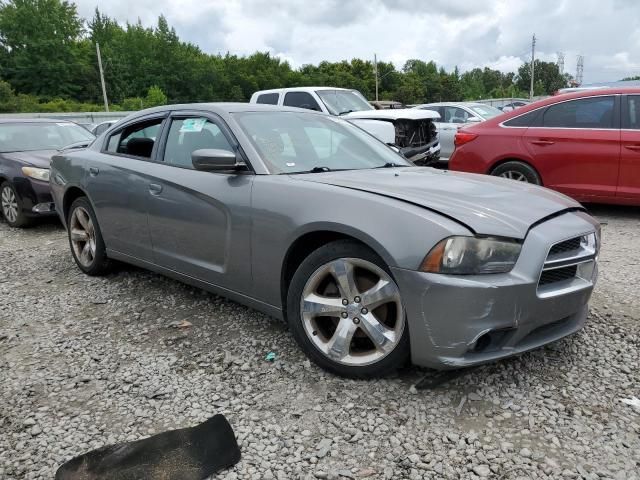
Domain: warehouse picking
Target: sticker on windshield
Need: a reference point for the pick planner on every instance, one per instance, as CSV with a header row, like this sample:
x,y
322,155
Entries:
x,y
192,125
291,164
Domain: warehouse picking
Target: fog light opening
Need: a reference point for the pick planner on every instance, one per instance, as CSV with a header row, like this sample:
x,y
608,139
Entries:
x,y
482,343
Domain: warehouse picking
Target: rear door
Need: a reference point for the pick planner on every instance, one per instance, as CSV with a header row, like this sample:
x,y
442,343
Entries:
x,y
576,146
629,183
200,221
117,184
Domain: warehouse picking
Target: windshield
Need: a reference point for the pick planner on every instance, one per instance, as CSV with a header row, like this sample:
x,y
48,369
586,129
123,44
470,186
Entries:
x,y
22,137
343,101
291,142
486,111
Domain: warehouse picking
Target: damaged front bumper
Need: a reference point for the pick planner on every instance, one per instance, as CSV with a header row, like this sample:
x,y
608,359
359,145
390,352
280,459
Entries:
x,y
425,155
459,321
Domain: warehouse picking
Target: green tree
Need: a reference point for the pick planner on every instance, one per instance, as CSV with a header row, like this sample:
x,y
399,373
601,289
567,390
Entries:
x,y
155,97
548,78
41,48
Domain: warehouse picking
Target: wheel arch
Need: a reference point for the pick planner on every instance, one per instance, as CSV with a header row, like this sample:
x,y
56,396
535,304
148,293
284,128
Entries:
x,y
502,161
308,241
71,195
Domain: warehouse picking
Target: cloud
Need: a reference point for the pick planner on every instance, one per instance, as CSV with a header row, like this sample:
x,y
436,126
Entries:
x,y
468,34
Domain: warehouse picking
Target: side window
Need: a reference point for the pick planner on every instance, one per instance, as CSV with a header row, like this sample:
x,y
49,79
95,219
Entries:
x,y
632,119
529,119
301,100
455,115
137,139
187,135
268,98
595,112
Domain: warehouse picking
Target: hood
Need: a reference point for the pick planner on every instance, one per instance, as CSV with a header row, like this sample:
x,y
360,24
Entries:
x,y
36,158
395,114
486,205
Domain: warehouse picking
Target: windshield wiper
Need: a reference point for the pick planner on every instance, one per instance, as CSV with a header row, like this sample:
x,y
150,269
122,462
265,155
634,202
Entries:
x,y
345,112
317,170
390,165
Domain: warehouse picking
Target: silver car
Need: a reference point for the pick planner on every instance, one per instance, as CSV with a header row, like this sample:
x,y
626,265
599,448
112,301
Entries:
x,y
306,217
454,116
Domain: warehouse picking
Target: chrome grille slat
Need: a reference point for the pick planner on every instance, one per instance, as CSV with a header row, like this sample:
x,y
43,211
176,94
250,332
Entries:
x,y
563,261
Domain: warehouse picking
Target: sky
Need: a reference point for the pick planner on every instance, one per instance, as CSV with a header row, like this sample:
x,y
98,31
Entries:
x,y
463,33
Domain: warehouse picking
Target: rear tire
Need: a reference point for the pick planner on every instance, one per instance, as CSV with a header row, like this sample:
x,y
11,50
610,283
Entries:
x,y
518,171
366,337
11,207
85,239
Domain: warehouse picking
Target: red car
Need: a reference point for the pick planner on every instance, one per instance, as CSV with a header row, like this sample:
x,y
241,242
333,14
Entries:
x,y
584,144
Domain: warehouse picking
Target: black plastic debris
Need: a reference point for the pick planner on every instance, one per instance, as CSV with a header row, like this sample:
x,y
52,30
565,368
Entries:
x,y
186,454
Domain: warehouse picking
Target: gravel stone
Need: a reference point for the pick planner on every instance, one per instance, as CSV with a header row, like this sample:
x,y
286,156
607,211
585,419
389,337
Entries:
x,y
87,362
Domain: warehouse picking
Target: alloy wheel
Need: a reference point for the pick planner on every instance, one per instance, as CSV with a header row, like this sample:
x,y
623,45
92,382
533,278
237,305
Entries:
x,y
514,175
82,234
352,311
9,204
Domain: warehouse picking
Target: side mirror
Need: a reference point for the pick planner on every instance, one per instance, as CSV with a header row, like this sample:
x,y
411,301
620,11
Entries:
x,y
212,159
474,120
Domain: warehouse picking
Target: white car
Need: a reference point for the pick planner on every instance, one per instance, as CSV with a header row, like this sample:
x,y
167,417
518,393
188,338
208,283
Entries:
x,y
454,115
413,132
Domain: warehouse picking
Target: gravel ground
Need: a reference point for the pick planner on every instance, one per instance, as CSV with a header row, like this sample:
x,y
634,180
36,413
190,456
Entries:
x,y
86,362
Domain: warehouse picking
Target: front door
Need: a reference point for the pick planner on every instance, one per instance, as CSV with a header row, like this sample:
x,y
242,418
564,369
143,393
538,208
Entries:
x,y
629,180
200,221
577,146
117,183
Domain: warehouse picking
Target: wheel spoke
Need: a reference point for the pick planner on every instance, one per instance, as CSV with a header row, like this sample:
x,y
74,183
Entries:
x,y
381,293
339,346
318,306
78,235
342,271
83,218
85,255
382,337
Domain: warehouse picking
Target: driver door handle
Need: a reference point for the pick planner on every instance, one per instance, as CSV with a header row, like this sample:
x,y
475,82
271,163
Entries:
x,y
155,189
542,141
635,147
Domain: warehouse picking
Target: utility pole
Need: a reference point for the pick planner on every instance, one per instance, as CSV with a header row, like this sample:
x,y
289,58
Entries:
x,y
104,89
533,60
375,69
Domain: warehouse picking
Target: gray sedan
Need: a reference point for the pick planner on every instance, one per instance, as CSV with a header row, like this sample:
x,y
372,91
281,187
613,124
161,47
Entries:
x,y
310,219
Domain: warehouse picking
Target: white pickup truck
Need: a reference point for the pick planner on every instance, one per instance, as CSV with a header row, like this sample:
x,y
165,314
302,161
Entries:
x,y
412,131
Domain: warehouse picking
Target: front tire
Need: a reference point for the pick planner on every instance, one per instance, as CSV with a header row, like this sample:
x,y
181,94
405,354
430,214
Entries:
x,y
85,239
518,171
11,207
346,313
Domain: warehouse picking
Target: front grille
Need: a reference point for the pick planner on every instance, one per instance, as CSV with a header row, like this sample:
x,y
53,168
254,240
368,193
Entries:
x,y
557,275
566,246
564,263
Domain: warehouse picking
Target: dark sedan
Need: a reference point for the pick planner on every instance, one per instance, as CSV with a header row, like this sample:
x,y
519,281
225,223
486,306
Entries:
x,y
26,147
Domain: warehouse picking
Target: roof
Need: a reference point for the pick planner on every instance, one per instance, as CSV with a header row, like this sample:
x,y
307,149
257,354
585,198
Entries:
x,y
300,89
450,104
223,108
33,120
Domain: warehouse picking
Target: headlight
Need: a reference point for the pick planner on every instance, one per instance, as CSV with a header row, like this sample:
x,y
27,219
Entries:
x,y
37,173
471,256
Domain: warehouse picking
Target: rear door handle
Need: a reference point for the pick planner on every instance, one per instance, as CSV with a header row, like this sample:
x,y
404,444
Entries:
x,y
155,189
93,171
633,147
542,142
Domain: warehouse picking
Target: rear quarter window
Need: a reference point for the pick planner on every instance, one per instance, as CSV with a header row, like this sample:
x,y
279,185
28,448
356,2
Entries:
x,y
268,98
529,119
